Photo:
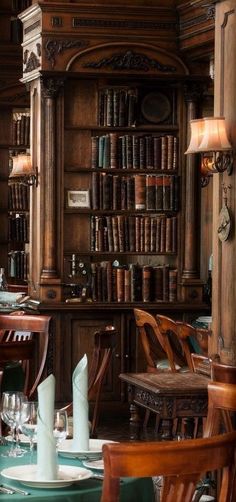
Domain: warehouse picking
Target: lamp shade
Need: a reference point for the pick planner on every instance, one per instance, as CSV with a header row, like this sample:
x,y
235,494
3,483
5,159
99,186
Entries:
x,y
215,137
22,166
197,128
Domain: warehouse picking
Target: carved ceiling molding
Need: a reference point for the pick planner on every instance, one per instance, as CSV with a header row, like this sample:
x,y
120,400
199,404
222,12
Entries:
x,y
51,86
208,15
55,47
117,23
130,60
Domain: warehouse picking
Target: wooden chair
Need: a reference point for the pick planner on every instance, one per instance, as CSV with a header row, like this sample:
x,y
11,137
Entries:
x,y
223,372
157,352
170,332
188,334
25,339
104,345
181,463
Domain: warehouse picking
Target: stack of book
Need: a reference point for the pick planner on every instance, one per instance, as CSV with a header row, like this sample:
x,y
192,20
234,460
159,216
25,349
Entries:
x,y
133,151
18,197
18,265
140,192
21,129
117,106
120,233
19,228
133,283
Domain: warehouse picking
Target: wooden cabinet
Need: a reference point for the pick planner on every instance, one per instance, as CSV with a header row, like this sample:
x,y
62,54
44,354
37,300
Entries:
x,y
82,64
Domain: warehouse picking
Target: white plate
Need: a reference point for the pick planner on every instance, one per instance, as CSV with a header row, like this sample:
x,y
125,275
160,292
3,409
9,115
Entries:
x,y
94,464
204,319
24,440
27,475
67,449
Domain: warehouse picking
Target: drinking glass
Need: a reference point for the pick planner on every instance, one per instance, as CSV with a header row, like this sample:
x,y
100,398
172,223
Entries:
x,y
60,426
12,414
28,423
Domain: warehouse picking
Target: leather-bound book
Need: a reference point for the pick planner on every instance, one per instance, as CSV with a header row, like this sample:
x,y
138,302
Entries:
x,y
138,233
170,151
120,284
168,244
158,234
110,233
136,282
173,285
142,236
140,191
174,234
158,283
107,195
175,153
147,234
99,282
136,153
153,233
101,143
113,151
176,193
120,221
115,233
130,183
150,192
103,265
157,152
116,104
164,152
129,151
101,108
131,229
166,192
126,234
95,190
116,190
123,192
149,152
132,103
106,152
163,235
146,283
122,108
166,269
159,192
142,152
109,119
93,233
109,281
127,285
123,152
94,151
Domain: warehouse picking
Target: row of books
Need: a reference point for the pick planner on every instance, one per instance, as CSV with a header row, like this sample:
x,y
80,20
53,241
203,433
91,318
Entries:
x,y
20,5
18,197
18,265
117,107
133,283
19,228
135,192
133,151
144,234
21,129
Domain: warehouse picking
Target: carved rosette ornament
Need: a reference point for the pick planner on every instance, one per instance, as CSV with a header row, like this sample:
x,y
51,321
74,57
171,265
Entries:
x,y
131,60
55,47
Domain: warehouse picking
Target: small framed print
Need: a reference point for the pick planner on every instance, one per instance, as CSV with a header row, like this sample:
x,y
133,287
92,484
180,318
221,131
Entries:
x,y
77,198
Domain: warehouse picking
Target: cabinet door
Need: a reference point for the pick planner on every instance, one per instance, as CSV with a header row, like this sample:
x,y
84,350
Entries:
x,y
79,329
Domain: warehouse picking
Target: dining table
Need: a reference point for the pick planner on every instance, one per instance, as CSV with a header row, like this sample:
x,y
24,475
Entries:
x,y
87,490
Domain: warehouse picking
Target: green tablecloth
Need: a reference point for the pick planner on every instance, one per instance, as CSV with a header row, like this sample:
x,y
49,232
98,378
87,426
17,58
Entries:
x,y
132,490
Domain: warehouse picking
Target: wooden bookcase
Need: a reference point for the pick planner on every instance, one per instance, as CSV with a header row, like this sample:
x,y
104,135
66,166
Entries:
x,y
78,59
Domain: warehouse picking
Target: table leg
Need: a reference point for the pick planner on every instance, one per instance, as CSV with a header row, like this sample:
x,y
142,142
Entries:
x,y
135,422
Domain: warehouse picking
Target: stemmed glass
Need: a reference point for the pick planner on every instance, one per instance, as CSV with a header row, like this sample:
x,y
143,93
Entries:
x,y
12,414
60,426
28,423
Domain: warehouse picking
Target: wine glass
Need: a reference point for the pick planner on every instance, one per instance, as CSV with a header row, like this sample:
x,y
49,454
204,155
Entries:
x,y
12,414
28,423
60,426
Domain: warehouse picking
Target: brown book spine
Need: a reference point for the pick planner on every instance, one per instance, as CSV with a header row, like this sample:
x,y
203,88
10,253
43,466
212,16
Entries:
x,y
164,152
173,285
146,283
137,233
170,151
132,101
153,233
109,118
159,192
166,192
147,234
142,152
127,285
120,220
129,151
158,283
158,234
135,147
157,152
122,108
142,235
150,192
115,233
175,153
120,284
166,269
116,190
109,233
168,245
94,151
140,191
130,183
174,234
123,192
116,100
131,229
101,115
163,235
113,151
114,284
149,152
107,191
109,281
95,190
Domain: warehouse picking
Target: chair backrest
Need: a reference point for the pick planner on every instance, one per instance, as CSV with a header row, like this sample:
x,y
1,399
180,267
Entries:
x,y
25,338
182,463
169,331
105,341
221,402
152,341
223,372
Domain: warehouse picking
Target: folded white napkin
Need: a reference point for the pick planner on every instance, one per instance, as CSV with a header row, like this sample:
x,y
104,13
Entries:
x,y
46,444
80,406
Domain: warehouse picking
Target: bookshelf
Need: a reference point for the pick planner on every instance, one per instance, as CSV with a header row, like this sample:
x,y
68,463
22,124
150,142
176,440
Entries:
x,y
126,239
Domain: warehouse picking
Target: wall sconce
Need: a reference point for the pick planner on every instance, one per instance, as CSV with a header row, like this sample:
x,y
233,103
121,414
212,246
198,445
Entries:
x,y
209,138
23,168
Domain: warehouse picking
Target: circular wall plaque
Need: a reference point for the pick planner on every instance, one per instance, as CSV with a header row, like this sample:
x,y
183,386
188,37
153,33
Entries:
x,y
224,224
155,107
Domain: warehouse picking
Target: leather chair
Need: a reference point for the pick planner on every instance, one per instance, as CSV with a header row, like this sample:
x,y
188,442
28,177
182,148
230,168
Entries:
x,y
181,463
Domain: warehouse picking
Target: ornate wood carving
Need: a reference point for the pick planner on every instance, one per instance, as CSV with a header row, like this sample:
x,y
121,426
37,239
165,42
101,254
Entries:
x,y
51,86
198,406
131,60
31,61
122,23
54,47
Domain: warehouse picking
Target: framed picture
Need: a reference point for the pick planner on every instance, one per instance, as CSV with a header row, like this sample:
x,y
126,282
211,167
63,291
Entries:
x,y
77,198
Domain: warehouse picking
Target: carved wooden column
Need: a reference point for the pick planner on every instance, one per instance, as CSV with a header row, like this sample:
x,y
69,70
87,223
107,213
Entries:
x,y
49,274
224,270
192,286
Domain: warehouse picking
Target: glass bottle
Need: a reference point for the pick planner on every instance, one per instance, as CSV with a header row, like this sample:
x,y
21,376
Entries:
x,y
3,281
